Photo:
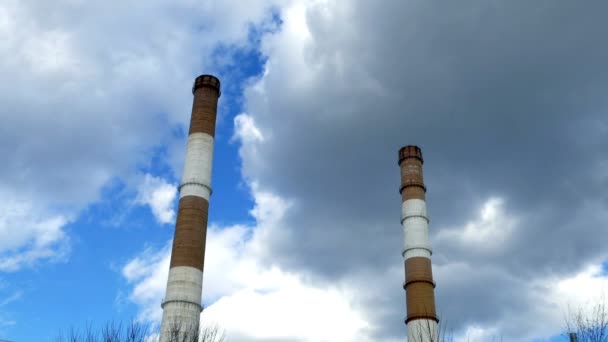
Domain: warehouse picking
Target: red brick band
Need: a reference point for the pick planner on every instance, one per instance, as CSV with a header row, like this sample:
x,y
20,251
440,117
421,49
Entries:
x,y
420,301
418,269
204,109
419,286
190,233
412,183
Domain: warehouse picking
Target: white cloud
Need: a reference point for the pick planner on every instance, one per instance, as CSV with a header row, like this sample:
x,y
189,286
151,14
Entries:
x,y
245,129
476,333
29,234
159,195
251,300
148,275
95,86
7,322
580,291
489,232
11,298
295,312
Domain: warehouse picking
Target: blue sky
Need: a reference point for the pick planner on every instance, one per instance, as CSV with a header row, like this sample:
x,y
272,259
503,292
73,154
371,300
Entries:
x,y
317,97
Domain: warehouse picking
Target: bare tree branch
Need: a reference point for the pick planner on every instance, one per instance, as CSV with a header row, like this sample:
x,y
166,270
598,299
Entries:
x,y
588,325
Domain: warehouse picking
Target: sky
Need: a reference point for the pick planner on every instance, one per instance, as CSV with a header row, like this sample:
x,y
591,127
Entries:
x,y
507,100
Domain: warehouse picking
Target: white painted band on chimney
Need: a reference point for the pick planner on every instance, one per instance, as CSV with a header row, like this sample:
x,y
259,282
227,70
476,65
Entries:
x,y
196,180
422,330
413,207
415,229
184,284
182,315
195,189
182,302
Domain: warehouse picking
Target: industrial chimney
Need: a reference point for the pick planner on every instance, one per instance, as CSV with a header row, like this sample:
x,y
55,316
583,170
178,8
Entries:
x,y
421,320
182,302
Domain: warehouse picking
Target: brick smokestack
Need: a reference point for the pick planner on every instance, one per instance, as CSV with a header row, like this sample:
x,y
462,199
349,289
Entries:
x,y
421,320
182,302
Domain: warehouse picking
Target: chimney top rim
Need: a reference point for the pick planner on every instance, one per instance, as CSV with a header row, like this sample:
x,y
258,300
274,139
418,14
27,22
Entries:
x,y
207,80
410,151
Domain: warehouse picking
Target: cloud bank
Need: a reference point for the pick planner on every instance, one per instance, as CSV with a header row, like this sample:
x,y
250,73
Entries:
x,y
250,300
95,88
505,100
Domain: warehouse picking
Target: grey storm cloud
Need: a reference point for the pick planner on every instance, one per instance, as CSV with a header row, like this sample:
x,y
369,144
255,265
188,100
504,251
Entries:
x,y
506,99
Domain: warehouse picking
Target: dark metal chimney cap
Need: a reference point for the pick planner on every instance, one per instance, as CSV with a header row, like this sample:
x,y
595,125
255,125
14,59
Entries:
x,y
410,151
207,81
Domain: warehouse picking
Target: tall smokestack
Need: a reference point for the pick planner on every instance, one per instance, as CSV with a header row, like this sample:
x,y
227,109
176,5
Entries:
x,y
182,303
421,320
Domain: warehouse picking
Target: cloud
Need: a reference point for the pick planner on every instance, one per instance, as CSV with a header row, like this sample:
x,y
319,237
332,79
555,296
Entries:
x,y
503,99
245,129
582,290
159,195
8,295
7,322
148,274
95,88
249,315
553,300
488,233
252,301
40,235
13,297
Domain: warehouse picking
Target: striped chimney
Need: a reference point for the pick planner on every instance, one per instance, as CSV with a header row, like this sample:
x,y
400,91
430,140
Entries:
x,y
421,320
182,302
